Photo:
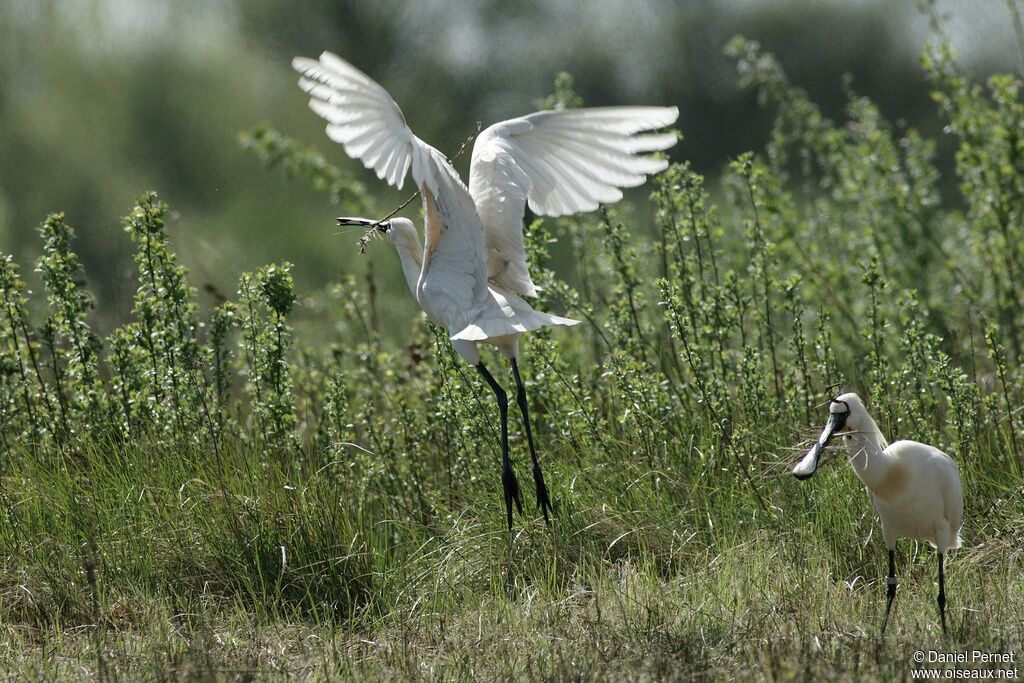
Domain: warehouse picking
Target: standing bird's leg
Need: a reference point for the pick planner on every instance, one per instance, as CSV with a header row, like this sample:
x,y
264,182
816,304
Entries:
x,y
543,501
508,477
942,593
890,580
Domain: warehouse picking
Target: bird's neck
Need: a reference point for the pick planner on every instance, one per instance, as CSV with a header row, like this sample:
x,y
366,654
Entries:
x,y
412,260
866,447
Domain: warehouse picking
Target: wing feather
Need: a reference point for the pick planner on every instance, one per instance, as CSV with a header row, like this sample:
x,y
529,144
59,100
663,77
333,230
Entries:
x,y
558,163
453,280
361,116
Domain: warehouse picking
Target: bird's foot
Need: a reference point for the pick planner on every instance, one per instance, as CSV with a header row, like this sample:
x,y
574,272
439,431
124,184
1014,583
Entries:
x,y
543,500
511,486
890,595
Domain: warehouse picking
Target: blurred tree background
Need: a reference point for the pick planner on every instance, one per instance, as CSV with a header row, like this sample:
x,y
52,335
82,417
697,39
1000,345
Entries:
x,y
103,99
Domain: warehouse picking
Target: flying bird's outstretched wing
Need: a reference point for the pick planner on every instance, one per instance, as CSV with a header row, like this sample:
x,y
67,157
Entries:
x,y
363,118
559,162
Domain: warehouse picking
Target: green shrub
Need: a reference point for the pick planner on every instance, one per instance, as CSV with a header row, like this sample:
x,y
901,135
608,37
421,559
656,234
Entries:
x,y
349,472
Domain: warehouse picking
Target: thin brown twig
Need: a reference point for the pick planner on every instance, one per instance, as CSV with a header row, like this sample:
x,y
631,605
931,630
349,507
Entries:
x,y
365,239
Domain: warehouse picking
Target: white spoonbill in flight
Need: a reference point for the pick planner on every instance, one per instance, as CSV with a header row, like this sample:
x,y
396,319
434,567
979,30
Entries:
x,y
914,488
470,273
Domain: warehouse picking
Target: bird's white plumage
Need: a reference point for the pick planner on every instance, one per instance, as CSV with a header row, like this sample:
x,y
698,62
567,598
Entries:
x,y
472,267
362,117
929,505
558,163
452,286
914,488
516,317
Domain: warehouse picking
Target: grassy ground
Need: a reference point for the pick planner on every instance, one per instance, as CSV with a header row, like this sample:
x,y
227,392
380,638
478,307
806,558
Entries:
x,y
250,493
631,581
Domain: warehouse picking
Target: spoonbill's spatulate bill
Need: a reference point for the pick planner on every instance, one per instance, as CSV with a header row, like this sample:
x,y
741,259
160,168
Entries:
x,y
470,273
914,488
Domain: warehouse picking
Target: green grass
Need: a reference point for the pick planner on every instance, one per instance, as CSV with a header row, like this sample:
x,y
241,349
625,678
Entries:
x,y
278,489
628,582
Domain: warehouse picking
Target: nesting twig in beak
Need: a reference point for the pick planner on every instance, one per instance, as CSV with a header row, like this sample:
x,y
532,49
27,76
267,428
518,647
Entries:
x,y
365,239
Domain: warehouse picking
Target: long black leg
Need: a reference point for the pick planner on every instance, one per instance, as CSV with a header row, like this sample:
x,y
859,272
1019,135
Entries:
x,y
891,592
508,477
543,501
942,593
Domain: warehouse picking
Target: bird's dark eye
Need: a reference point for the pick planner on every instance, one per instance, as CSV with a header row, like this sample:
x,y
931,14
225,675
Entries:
x,y
840,418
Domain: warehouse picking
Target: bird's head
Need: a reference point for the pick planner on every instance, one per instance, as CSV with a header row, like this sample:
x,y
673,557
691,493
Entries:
x,y
402,232
398,231
845,414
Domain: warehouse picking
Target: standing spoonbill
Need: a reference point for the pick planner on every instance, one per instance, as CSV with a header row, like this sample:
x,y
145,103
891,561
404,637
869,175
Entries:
x,y
914,488
470,273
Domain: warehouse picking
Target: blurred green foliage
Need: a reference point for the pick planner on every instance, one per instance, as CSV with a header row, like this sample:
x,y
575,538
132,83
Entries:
x,y
101,98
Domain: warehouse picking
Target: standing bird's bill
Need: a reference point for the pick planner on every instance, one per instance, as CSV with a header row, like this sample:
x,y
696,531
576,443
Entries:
x,y
808,465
